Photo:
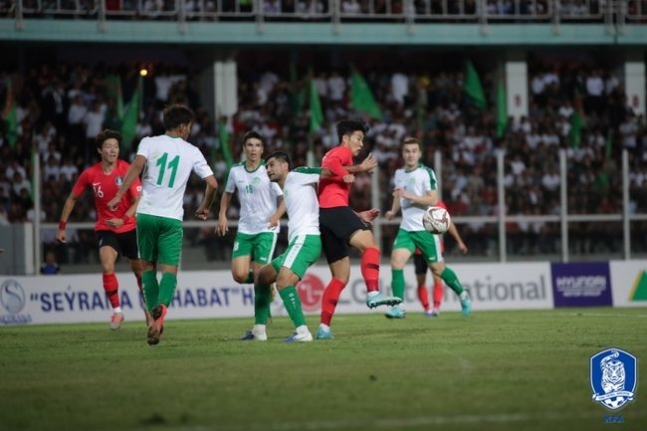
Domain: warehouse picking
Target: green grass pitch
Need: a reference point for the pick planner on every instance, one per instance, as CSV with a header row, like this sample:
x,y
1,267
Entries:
x,y
498,371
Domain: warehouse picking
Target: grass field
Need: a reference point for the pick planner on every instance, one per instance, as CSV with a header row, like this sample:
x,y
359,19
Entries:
x,y
498,371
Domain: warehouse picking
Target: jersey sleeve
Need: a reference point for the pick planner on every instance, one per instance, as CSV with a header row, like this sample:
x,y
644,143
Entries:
x,y
136,188
200,165
276,189
432,184
144,148
305,175
81,184
334,162
230,185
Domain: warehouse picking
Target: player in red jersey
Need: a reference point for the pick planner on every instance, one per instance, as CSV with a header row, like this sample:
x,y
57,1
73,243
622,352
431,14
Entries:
x,y
341,226
115,229
421,268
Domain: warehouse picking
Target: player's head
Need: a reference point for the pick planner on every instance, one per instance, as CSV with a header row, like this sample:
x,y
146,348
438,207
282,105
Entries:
x,y
108,143
178,119
351,134
277,165
411,151
253,146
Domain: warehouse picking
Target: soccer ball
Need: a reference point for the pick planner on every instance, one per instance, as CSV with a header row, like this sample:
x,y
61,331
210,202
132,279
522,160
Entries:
x,y
436,220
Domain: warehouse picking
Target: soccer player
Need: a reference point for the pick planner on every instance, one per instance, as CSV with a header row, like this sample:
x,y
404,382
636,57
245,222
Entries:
x,y
261,208
300,191
115,228
415,190
341,226
169,160
421,269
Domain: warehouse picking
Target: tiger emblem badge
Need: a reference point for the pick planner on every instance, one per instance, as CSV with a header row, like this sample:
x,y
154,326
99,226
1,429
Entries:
x,y
614,374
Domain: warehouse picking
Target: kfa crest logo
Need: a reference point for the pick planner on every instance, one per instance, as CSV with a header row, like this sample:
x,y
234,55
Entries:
x,y
119,181
614,374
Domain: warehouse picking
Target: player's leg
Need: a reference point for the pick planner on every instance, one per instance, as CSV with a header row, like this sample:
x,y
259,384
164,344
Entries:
x,y
439,291
403,248
108,253
420,268
241,259
262,298
336,253
148,229
263,246
170,250
302,252
431,249
128,243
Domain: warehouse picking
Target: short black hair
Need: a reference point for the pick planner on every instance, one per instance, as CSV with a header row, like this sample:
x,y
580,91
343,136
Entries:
x,y
252,134
106,134
176,115
347,127
281,156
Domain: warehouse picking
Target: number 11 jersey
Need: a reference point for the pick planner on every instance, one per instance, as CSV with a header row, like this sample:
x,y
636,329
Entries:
x,y
169,162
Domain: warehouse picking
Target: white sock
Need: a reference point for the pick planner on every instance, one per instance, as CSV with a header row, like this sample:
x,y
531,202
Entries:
x,y
324,327
117,310
464,295
372,294
258,329
303,329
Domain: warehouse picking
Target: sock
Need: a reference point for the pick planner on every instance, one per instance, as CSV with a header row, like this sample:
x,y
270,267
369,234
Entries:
x,y
449,277
438,293
258,329
330,299
111,287
370,267
117,309
250,277
168,283
423,296
292,304
262,301
397,283
151,289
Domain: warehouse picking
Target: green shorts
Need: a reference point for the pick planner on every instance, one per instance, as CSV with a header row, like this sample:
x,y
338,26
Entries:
x,y
259,246
428,243
159,239
302,252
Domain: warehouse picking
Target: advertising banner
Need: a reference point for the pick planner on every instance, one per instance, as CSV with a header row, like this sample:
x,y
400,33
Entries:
x,y
582,284
629,283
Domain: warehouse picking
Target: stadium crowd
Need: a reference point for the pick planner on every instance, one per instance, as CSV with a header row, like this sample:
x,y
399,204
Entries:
x,y
61,108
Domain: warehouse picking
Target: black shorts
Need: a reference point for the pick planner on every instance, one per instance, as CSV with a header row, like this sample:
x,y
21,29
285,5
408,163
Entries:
x,y
337,225
123,243
420,264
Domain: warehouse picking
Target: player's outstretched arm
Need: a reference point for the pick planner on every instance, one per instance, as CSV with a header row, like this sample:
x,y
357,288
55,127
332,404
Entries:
x,y
453,231
280,210
367,165
430,199
202,213
70,202
395,206
133,173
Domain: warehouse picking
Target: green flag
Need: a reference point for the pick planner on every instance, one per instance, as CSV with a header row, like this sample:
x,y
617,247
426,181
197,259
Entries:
x,y
131,115
361,97
473,87
10,115
578,121
114,92
223,136
501,109
316,114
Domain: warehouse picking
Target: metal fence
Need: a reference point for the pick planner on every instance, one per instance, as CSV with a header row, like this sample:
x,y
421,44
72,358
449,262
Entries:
x,y
494,237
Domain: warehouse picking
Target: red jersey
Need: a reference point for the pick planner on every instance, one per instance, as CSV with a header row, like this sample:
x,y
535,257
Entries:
x,y
104,187
333,191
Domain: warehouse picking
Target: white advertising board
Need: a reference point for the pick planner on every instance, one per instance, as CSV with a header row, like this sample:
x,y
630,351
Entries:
x,y
629,283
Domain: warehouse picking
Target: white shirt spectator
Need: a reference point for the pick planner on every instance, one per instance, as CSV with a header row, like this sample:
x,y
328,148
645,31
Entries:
x,y
628,130
551,181
399,87
93,121
13,169
76,112
350,7
538,85
336,87
69,171
594,85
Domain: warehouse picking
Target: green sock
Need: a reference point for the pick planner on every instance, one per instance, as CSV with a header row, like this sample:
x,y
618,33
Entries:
x,y
151,289
292,304
167,288
450,278
250,277
397,283
262,299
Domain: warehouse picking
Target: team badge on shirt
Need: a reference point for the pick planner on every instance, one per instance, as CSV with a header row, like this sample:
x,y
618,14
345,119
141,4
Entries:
x,y
119,181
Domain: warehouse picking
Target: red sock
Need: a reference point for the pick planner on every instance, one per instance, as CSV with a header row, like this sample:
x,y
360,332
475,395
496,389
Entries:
x,y
371,269
330,299
423,296
439,290
111,286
